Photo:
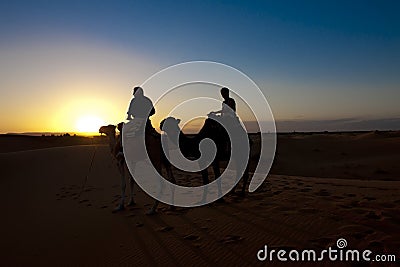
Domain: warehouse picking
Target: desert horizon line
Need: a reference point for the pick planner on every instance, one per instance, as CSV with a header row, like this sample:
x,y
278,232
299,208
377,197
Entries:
x,y
282,126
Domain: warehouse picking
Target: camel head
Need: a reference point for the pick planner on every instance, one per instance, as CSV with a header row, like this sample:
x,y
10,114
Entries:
x,y
170,125
108,130
120,126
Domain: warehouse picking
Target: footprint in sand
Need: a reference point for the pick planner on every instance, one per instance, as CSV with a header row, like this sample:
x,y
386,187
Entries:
x,y
277,192
373,215
139,224
349,195
174,212
191,237
369,232
359,211
355,203
231,239
256,197
392,214
103,207
369,198
83,201
323,193
388,205
359,236
337,197
308,210
165,229
283,208
305,190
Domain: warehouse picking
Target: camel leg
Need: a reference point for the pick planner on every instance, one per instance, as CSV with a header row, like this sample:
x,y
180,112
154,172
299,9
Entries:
x,y
158,165
131,184
245,179
153,209
121,206
239,165
171,178
204,174
233,190
217,174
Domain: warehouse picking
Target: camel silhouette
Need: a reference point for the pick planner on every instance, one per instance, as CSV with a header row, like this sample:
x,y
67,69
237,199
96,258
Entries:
x,y
156,155
109,131
190,146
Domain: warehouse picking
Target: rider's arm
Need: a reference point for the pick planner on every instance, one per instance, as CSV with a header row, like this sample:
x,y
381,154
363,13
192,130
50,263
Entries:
x,y
130,110
152,112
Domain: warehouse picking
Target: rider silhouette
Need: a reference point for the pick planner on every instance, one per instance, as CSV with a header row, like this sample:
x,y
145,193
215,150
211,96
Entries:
x,y
228,105
141,107
228,118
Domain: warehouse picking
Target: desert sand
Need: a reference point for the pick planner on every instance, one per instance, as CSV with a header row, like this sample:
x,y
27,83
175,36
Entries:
x,y
57,201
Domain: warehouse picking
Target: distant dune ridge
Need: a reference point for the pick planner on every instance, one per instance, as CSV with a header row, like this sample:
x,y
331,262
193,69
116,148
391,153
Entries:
x,y
20,142
334,125
49,215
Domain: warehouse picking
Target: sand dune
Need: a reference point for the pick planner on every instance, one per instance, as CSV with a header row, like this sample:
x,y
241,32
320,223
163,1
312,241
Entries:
x,y
53,215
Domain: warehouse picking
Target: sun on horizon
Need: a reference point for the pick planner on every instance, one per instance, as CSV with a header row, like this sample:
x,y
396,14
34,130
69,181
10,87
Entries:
x,y
89,124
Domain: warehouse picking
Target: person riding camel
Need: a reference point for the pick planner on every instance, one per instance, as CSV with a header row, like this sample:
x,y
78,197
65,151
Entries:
x,y
228,105
227,117
141,108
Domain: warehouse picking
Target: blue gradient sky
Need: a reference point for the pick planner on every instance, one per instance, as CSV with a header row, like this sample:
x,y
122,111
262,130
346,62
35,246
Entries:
x,y
314,60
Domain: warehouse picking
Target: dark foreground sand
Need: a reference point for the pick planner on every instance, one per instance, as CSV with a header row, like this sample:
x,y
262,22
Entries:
x,y
50,216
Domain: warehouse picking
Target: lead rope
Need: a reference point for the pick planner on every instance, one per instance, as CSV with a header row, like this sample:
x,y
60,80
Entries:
x,y
87,175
